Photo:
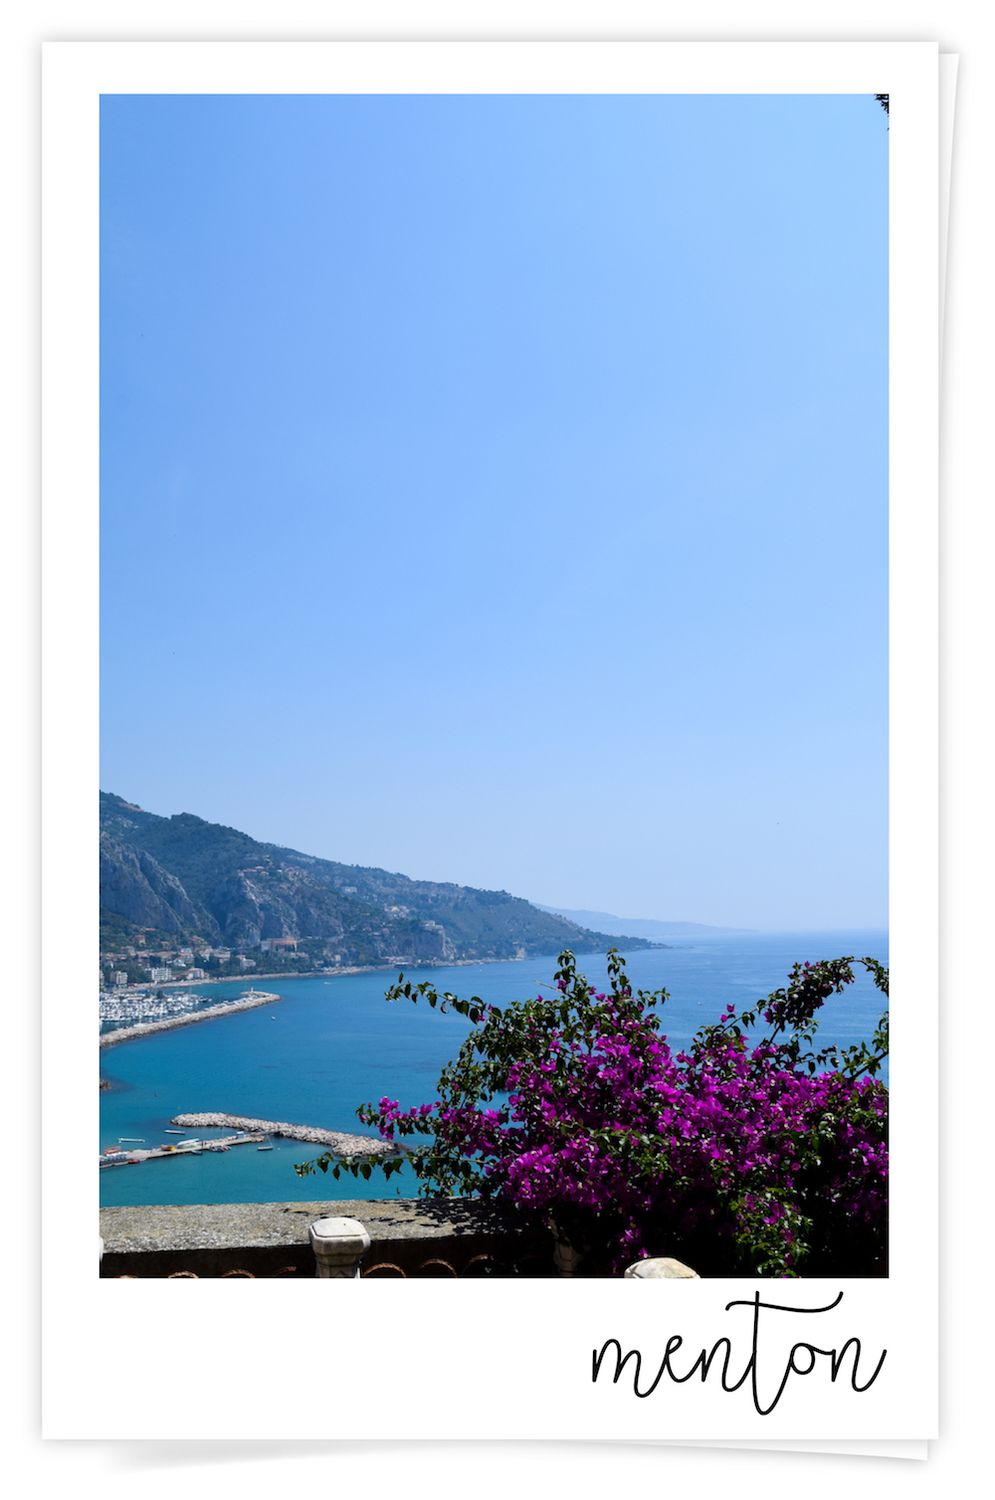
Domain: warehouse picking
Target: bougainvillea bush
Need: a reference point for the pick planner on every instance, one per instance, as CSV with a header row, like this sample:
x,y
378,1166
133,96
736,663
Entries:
x,y
750,1152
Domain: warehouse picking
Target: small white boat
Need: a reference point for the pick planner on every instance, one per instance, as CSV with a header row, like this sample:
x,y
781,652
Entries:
x,y
264,1148
135,1140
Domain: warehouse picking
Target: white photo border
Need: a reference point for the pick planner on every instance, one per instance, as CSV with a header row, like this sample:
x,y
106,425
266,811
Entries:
x,y
468,1359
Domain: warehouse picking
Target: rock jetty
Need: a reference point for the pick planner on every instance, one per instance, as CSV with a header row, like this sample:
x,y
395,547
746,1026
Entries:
x,y
339,1140
209,1013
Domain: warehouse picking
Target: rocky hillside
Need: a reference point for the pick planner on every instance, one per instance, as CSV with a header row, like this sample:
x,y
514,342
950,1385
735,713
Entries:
x,y
183,875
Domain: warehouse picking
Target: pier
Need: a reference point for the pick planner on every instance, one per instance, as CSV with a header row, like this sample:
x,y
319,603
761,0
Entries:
x,y
169,1023
339,1140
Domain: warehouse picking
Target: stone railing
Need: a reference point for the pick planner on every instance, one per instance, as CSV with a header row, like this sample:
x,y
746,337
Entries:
x,y
346,1239
445,1237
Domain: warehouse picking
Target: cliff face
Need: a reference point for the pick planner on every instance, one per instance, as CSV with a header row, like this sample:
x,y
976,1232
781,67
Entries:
x,y
184,875
135,886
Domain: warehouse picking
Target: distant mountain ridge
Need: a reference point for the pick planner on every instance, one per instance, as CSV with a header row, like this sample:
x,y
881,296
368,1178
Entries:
x,y
647,927
183,875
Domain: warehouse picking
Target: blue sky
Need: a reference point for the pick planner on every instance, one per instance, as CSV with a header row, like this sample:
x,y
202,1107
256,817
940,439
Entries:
x,y
495,489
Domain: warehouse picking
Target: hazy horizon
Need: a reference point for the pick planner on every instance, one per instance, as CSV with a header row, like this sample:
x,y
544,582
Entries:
x,y
494,490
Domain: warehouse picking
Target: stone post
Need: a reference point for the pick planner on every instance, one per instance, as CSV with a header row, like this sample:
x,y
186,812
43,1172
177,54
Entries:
x,y
660,1266
339,1245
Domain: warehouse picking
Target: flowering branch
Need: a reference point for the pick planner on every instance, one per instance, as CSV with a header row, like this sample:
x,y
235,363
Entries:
x,y
574,1108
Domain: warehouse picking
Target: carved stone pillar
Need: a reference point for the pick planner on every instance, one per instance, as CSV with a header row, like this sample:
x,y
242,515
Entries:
x,y
339,1245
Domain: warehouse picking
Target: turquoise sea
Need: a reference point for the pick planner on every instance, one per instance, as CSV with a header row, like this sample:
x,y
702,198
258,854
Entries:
x,y
333,1043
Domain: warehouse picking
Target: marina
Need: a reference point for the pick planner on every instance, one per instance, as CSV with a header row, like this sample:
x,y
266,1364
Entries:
x,y
247,1001
132,1007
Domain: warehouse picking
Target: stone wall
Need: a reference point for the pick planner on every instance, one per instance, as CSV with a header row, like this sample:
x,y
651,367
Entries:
x,y
441,1237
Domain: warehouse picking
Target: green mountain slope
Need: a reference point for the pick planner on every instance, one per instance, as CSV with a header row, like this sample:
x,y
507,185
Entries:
x,y
198,879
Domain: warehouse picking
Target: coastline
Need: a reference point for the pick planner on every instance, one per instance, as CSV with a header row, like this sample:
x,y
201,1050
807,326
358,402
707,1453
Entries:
x,y
169,1023
399,967
395,968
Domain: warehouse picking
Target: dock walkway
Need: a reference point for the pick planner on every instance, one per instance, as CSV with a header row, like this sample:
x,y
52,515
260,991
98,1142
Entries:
x,y
128,1158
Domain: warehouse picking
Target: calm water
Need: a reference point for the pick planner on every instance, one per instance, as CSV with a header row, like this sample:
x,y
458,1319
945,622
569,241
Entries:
x,y
334,1043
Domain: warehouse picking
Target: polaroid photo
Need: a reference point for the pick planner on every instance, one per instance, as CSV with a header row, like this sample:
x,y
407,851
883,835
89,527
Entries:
x,y
490,495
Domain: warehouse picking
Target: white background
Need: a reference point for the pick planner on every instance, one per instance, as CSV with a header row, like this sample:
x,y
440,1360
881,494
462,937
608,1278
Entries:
x,y
159,1469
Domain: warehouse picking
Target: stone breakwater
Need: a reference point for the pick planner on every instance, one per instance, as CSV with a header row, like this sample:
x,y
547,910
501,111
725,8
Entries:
x,y
339,1140
209,1013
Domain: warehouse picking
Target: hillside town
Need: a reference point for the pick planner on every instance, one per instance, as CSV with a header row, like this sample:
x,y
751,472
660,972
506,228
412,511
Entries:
x,y
151,959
